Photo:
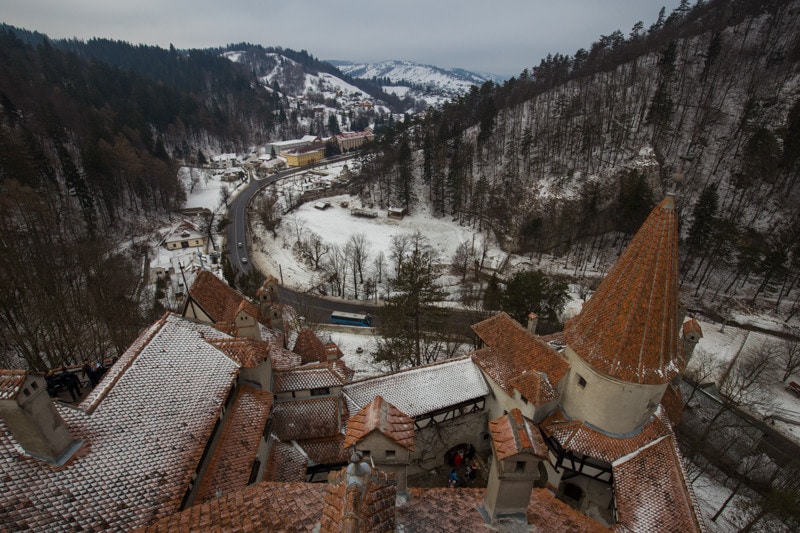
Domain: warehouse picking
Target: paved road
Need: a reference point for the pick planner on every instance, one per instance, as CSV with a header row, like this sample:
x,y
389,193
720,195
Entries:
x,y
315,308
237,212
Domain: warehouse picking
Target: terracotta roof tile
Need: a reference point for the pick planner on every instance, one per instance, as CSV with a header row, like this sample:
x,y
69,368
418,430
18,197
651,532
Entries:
x,y
535,387
152,415
11,382
628,329
513,434
306,378
217,299
421,390
651,493
672,403
232,462
285,463
306,419
283,359
326,450
366,506
442,510
266,506
247,352
692,325
380,415
547,513
512,351
576,436
310,347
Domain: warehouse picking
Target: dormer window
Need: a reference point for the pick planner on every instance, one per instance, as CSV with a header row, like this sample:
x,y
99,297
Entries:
x,y
581,382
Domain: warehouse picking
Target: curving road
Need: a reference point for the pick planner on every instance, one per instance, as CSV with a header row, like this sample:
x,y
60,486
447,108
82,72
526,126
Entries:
x,y
315,308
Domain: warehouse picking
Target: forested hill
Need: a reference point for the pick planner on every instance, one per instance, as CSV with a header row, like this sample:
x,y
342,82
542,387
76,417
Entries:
x,y
705,103
88,162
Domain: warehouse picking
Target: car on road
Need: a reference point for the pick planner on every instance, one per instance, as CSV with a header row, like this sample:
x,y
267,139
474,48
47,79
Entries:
x,y
244,260
239,245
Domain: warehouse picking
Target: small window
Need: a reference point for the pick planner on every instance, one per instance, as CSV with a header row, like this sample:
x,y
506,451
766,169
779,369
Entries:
x,y
26,392
581,382
321,391
34,385
519,468
390,453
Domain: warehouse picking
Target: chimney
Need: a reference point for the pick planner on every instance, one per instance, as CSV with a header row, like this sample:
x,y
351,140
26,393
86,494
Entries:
x,y
28,411
533,320
517,452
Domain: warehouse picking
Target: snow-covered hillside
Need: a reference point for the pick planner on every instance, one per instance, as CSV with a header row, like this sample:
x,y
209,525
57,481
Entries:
x,y
433,80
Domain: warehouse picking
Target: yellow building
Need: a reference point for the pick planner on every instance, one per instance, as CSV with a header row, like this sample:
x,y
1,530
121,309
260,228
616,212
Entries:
x,y
307,155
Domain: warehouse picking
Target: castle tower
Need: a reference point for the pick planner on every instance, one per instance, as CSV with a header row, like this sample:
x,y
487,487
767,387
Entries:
x,y
28,411
623,347
270,305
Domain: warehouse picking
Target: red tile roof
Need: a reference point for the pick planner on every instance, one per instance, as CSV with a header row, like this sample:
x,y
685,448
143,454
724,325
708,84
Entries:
x,y
326,450
247,352
266,506
692,325
306,378
230,467
310,347
380,415
513,352
285,463
629,329
650,489
575,436
216,298
672,403
11,382
143,439
547,513
512,434
283,359
306,419
442,510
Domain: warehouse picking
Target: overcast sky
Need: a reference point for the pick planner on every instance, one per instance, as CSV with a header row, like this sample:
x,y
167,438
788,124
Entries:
x,y
501,37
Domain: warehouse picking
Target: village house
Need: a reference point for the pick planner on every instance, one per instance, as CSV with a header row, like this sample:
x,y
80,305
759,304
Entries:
x,y
185,235
206,423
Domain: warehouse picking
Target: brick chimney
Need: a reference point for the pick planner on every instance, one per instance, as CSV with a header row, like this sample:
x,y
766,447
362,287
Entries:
x,y
28,411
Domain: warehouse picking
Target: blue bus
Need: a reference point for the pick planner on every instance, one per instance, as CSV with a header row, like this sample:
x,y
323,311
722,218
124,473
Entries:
x,y
351,319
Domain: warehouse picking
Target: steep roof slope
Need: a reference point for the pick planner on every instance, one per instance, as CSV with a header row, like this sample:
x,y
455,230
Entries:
x,y
380,415
145,427
629,329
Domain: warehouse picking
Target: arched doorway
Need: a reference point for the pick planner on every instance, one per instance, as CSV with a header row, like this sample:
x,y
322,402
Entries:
x,y
466,450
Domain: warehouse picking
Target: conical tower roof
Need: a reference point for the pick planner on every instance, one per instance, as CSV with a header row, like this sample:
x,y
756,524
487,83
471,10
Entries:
x,y
628,329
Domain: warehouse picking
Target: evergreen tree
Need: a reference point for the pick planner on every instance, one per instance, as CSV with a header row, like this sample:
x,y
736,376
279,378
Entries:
x,y
533,291
410,323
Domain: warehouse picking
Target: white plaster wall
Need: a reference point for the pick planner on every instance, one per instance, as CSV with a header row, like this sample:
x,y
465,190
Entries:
x,y
607,403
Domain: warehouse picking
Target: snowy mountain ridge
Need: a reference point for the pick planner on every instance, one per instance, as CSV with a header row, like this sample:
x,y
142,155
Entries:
x,y
452,82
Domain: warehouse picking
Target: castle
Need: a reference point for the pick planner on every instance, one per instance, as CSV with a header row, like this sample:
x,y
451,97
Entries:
x,y
208,421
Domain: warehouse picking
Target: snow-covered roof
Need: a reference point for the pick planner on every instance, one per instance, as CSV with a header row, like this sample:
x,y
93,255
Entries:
x,y
144,428
422,389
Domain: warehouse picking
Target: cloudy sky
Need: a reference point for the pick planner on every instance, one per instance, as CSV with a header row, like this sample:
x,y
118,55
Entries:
x,y
501,37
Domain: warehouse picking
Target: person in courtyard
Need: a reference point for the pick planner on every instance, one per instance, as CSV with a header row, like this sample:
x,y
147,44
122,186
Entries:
x,y
89,373
70,382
